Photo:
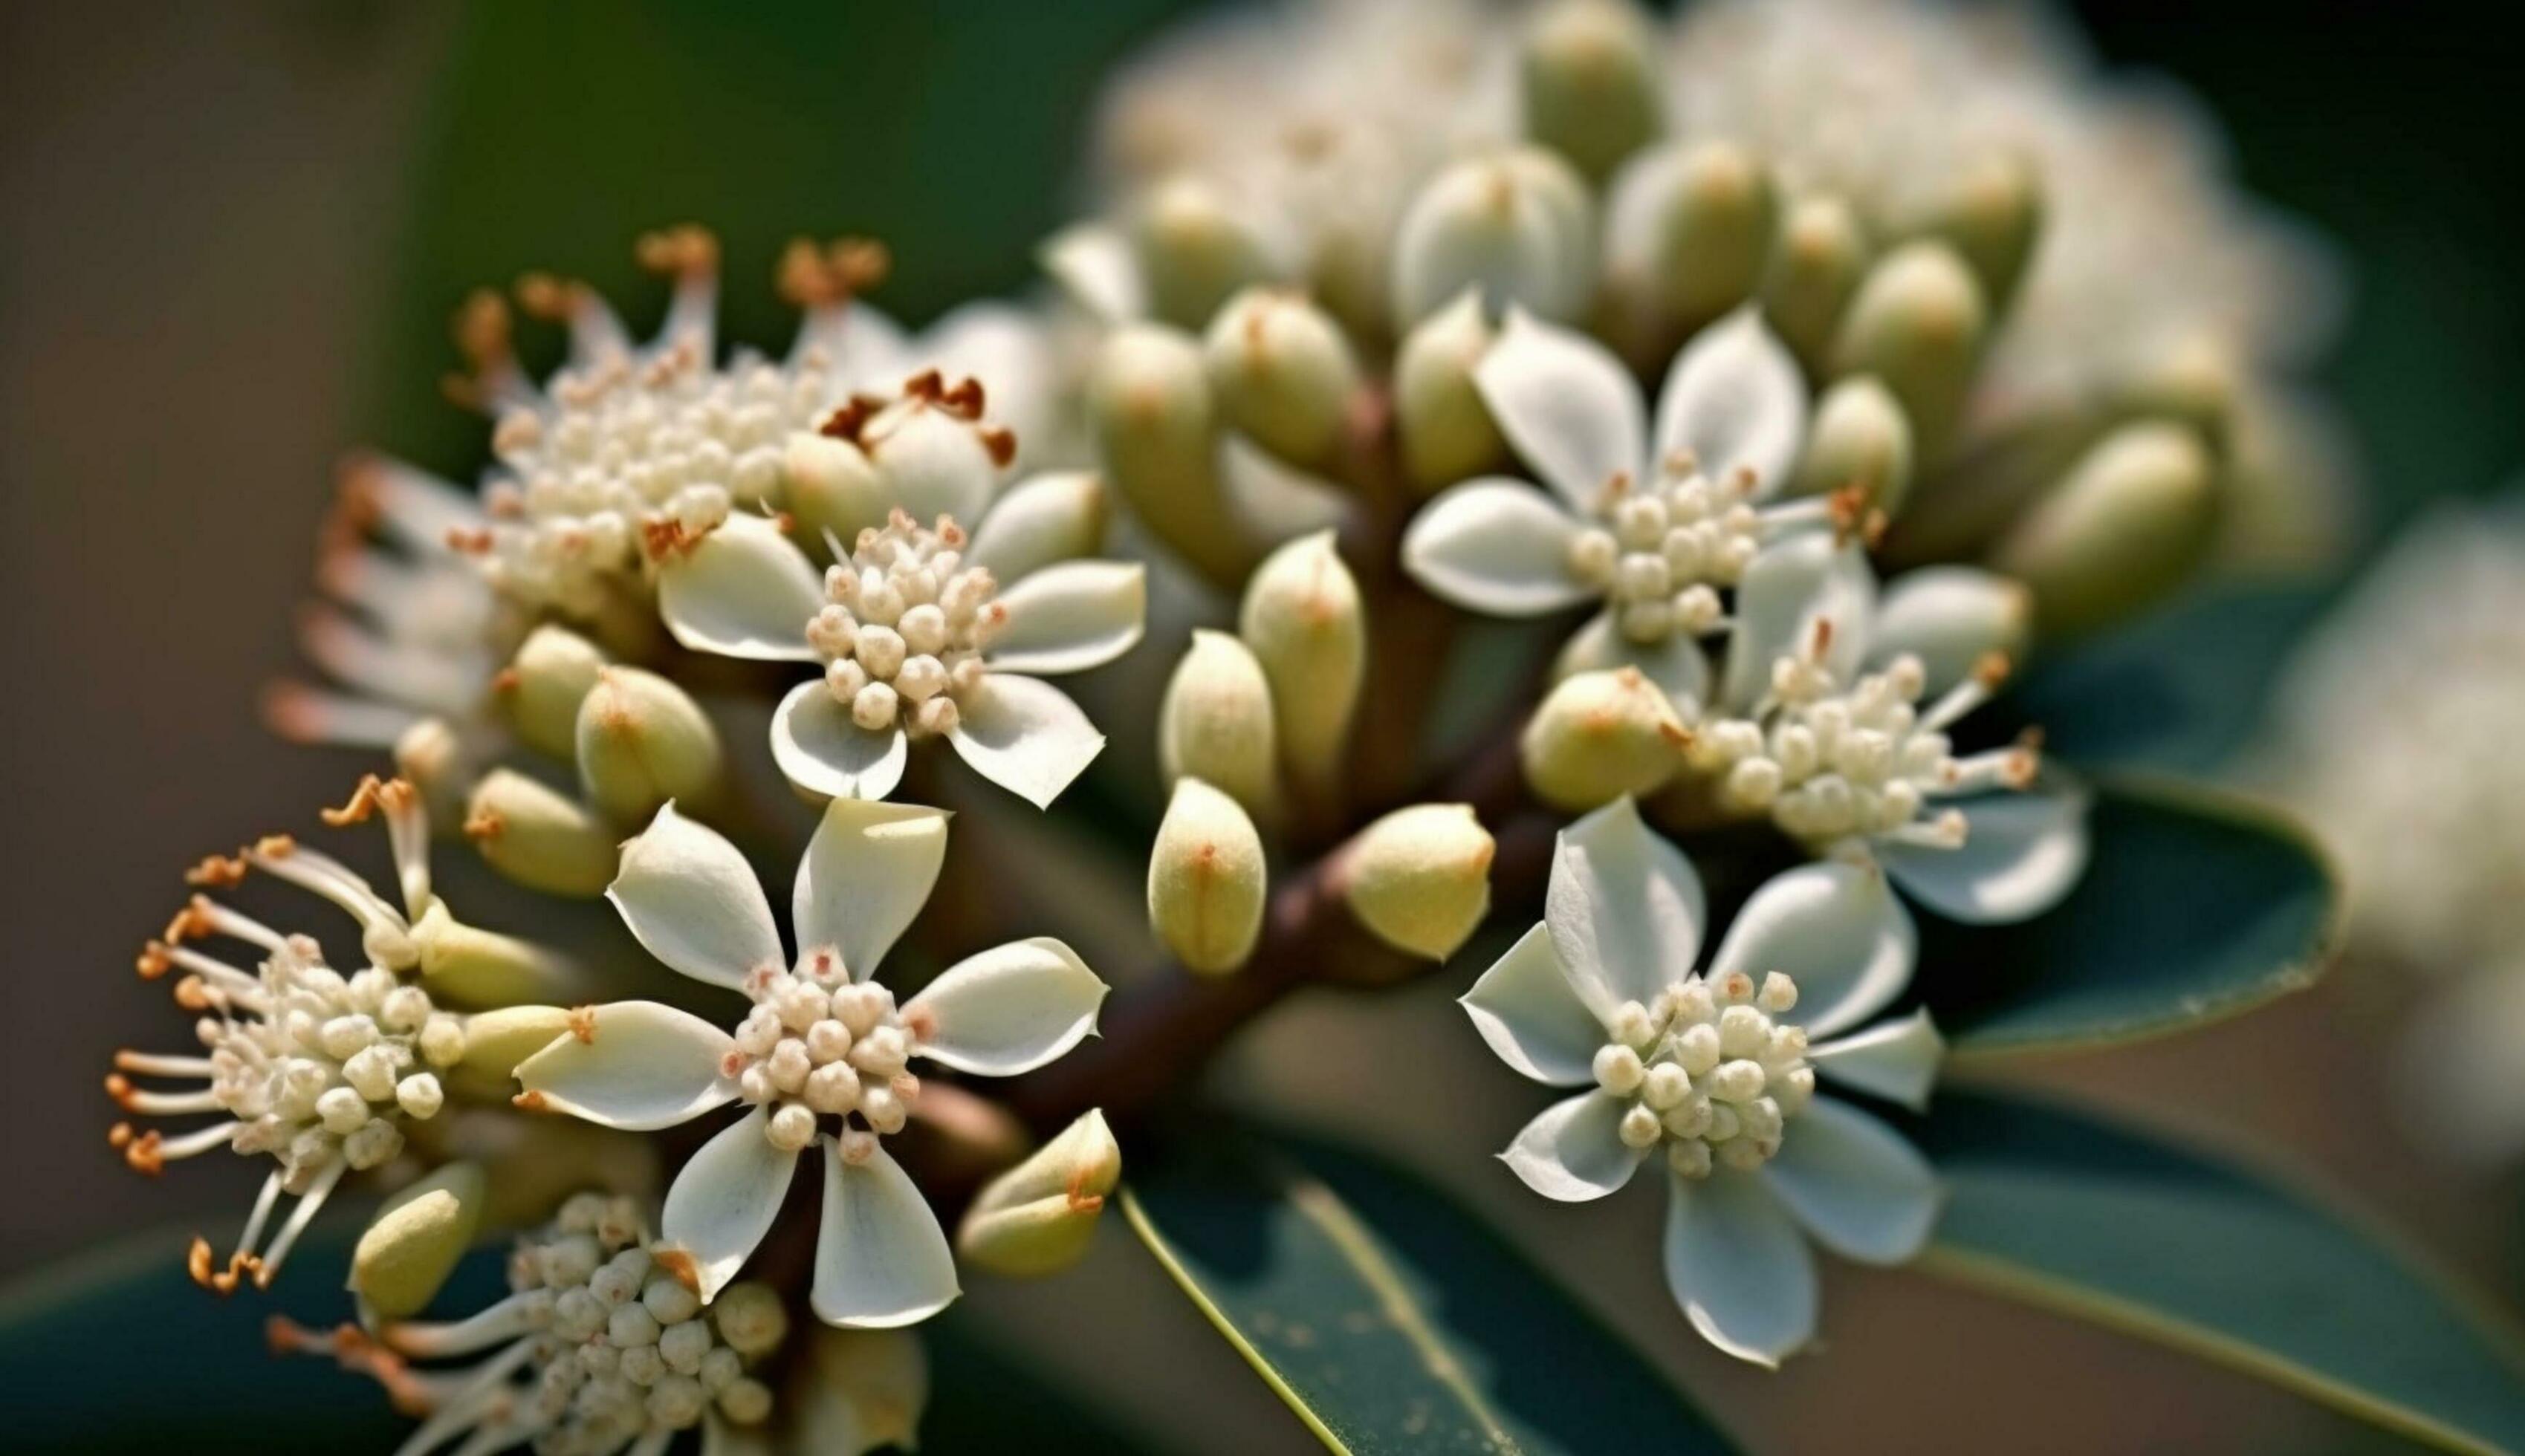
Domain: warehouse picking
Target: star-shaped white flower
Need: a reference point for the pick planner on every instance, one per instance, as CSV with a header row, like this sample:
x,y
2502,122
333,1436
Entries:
x,y
1649,524
821,1055
1712,1072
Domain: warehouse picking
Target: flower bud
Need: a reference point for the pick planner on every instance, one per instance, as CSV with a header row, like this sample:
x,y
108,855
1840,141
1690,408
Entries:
x,y
1282,372
1861,440
1515,224
643,741
2123,529
1598,736
464,966
1815,270
1206,879
543,686
432,757
1917,324
831,486
1304,620
1149,403
537,838
1420,876
1591,85
1992,217
496,1040
1952,619
1215,723
1194,250
1058,515
533,1163
1446,430
415,1241
2191,381
855,1391
1038,1217
1689,229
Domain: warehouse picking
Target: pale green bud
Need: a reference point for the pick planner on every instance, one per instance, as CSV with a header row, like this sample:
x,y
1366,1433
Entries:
x,y
1196,250
496,1040
831,486
1598,736
1206,879
1058,515
1917,324
643,741
1420,876
1953,618
1282,372
533,1163
2193,381
537,838
415,1241
2125,528
1215,723
1038,1217
1689,230
855,1390
1861,440
1592,90
1992,217
465,966
1305,622
1814,271
1514,224
432,757
1149,403
543,686
1447,431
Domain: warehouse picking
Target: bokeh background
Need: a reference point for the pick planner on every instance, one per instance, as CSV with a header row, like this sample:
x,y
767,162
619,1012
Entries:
x,y
229,238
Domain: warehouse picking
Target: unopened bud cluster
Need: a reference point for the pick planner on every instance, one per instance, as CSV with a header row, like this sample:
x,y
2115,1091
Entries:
x,y
1663,550
905,626
817,1045
1711,1070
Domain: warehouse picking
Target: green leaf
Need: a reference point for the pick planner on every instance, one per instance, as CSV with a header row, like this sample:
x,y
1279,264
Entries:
x,y
1385,1317
2051,1208
2196,906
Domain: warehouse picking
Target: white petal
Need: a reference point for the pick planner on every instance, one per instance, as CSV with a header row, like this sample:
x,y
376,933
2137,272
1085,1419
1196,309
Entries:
x,y
1097,267
1071,616
1495,546
2023,855
1950,617
1739,1267
1897,1060
1528,1011
1861,1189
882,1259
693,901
1024,735
1791,586
822,751
1572,1152
864,877
725,1199
1567,405
1835,930
1735,399
744,591
640,1066
1055,516
1273,501
1677,665
1008,1010
1624,908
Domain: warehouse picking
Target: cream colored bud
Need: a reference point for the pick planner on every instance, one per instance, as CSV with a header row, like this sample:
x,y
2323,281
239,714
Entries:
x,y
1689,230
1917,324
415,1241
643,741
1515,225
1861,440
831,486
1282,372
1305,622
1992,217
1150,407
496,1040
2193,381
464,966
537,838
1447,431
1038,1217
1208,883
545,682
1058,515
856,1392
1215,723
1953,618
2125,528
1196,250
1814,271
1598,736
1420,876
1591,83
432,757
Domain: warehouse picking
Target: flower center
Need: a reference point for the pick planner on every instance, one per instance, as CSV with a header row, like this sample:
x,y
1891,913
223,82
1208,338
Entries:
x,y
905,626
1662,551
817,1045
1708,1070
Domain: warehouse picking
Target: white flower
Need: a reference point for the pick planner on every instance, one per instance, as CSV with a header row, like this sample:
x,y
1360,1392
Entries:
x,y
1820,724
315,1069
822,1054
603,1345
1649,523
1712,1073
